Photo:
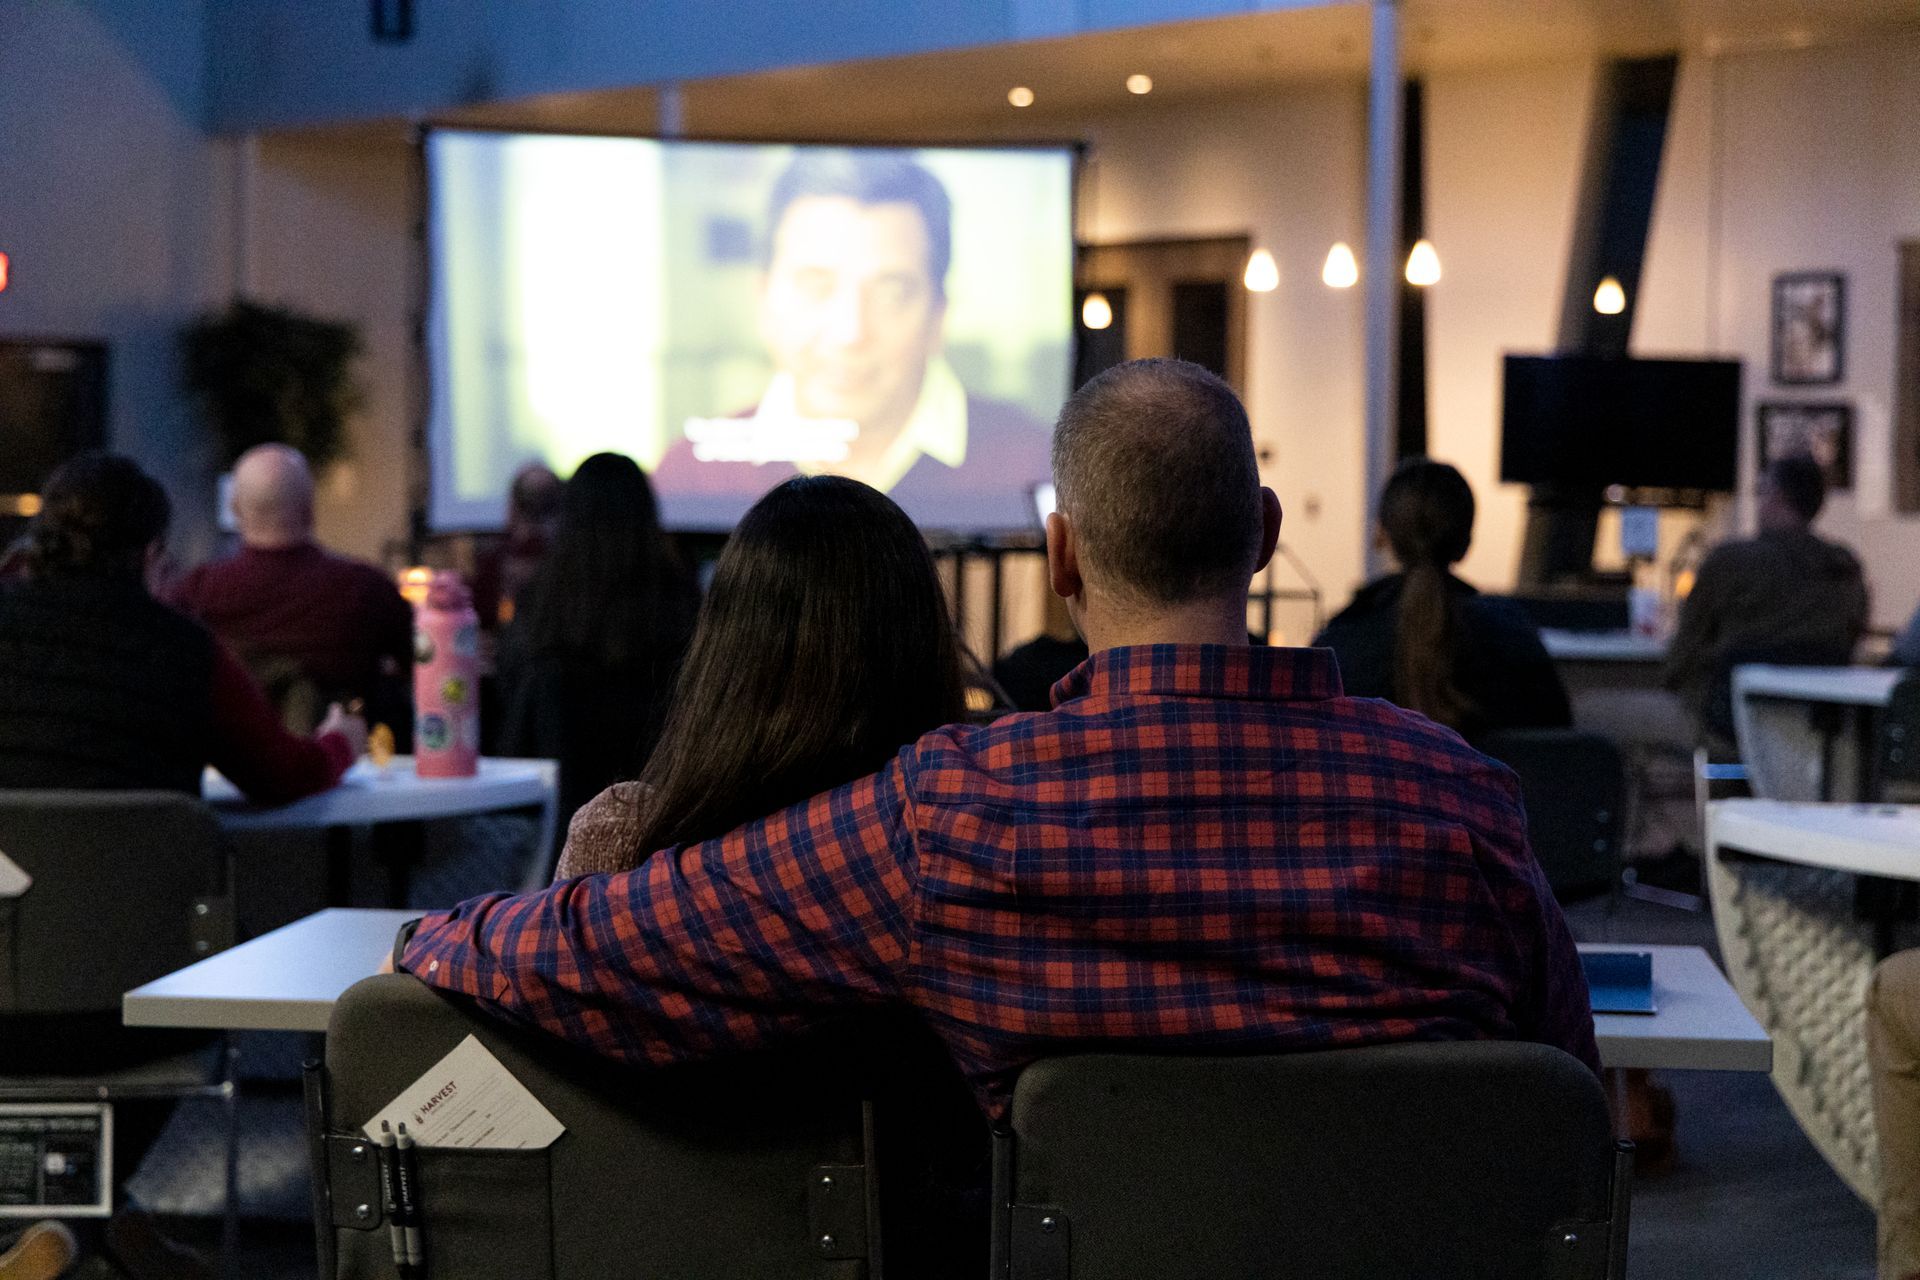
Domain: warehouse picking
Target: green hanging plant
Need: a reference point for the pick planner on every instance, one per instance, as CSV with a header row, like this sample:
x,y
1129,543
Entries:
x,y
269,375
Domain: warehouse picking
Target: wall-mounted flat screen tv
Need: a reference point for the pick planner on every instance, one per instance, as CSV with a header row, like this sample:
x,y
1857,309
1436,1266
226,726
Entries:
x,y
1585,421
730,315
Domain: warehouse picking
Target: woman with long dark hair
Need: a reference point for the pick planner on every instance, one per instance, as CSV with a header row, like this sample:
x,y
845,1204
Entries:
x,y
597,637
1425,640
824,646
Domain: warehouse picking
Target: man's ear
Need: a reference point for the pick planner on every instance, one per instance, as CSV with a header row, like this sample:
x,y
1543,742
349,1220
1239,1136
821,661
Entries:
x,y
1269,526
1063,558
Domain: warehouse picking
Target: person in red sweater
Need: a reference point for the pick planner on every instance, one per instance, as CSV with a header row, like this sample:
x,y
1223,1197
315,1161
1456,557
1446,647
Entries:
x,y
293,611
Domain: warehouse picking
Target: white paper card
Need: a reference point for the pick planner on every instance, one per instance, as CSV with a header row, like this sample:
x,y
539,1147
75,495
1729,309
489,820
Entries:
x,y
14,880
468,1099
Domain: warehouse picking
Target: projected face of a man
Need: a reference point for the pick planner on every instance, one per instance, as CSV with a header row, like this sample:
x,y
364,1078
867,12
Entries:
x,y
849,310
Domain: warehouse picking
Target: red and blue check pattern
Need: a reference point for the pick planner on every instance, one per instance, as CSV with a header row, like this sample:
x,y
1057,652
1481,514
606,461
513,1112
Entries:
x,y
1200,848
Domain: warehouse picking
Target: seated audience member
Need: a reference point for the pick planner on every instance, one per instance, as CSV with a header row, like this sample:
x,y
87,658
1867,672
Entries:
x,y
588,664
1027,674
1205,845
101,686
1893,1056
823,648
1785,595
505,568
1425,640
300,617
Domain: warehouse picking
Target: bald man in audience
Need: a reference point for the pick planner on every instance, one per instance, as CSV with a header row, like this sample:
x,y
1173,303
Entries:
x,y
294,611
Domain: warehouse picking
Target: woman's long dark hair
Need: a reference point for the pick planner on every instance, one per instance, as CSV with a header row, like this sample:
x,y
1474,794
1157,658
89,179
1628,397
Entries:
x,y
824,646
1426,511
611,591
99,513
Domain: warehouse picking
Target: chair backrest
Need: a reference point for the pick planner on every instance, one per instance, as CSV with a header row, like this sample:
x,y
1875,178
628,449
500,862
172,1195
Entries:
x,y
1575,788
1716,713
125,890
1457,1161
754,1166
1898,758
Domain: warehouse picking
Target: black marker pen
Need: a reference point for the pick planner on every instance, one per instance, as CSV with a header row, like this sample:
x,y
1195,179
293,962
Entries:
x,y
409,1186
389,1158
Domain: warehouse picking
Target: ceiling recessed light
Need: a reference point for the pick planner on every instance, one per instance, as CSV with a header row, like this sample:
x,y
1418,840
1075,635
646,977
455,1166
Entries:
x,y
1020,96
1139,84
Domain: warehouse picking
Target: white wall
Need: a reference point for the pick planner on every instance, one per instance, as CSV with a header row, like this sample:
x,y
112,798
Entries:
x,y
1798,160
287,62
1504,150
111,210
330,231
1288,170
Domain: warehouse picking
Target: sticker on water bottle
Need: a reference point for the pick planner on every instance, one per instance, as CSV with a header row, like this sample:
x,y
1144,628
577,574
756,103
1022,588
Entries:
x,y
435,733
454,691
466,641
422,647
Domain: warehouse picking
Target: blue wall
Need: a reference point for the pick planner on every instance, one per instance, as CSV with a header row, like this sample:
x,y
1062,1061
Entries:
x,y
290,62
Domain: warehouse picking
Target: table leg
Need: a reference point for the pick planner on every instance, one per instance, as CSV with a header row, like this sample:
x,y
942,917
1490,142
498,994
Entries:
x,y
399,845
1824,723
339,866
1866,745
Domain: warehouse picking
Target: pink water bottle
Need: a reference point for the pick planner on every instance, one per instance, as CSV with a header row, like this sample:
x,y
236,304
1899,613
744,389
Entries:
x,y
446,681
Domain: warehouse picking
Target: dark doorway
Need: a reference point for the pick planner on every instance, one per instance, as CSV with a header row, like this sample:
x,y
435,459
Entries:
x,y
1170,298
1099,349
1200,323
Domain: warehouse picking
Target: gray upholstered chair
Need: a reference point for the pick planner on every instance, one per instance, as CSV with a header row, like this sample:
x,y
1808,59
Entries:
x,y
125,887
1574,785
1456,1161
755,1166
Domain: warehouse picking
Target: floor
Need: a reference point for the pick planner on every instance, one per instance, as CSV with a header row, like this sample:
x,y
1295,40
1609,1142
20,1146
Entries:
x,y
1749,1198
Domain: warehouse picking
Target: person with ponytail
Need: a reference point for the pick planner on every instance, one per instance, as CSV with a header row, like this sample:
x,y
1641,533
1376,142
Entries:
x,y
1424,640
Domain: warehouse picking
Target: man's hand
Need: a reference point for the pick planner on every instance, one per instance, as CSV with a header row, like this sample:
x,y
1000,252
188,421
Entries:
x,y
352,727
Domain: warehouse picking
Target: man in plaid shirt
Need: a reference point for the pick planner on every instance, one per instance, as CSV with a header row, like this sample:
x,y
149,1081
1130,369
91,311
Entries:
x,y
1203,846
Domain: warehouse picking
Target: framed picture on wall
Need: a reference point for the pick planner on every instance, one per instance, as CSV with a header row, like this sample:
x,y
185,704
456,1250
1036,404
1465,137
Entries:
x,y
1809,328
1824,432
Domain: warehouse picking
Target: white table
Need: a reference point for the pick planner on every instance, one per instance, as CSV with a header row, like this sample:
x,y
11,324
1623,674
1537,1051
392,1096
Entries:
x,y
1785,880
288,980
367,796
1806,733
1864,839
1698,1023
1602,646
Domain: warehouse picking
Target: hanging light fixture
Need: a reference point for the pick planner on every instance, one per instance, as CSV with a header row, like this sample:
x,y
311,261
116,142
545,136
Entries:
x,y
1423,264
1609,299
1020,96
1263,273
1342,270
1095,311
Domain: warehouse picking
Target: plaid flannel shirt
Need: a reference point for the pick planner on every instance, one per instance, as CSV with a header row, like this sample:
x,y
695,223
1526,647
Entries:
x,y
1199,848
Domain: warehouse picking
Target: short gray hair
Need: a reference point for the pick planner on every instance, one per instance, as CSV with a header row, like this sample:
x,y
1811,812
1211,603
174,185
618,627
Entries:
x,y
1153,463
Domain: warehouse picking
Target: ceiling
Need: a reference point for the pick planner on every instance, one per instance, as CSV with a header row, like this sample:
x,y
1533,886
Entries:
x,y
961,95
